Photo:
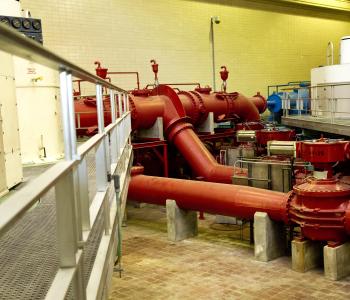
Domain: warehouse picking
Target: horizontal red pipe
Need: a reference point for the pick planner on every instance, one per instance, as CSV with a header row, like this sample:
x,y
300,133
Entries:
x,y
145,110
214,198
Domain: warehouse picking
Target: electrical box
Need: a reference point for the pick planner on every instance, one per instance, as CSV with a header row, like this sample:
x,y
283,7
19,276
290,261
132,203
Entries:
x,y
37,92
28,26
10,155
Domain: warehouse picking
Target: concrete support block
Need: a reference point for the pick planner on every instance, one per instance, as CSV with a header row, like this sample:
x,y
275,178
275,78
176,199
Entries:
x,y
182,224
337,261
227,220
269,238
136,204
208,125
156,131
306,255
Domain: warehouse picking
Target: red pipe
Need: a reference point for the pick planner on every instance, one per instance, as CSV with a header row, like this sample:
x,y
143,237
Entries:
x,y
180,132
320,207
175,108
209,197
260,102
197,105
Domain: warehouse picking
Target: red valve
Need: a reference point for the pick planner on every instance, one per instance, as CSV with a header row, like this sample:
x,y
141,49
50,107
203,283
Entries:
x,y
155,71
101,72
224,73
154,66
224,76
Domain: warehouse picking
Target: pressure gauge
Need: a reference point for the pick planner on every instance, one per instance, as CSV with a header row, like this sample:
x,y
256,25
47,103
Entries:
x,y
26,24
36,25
5,21
16,23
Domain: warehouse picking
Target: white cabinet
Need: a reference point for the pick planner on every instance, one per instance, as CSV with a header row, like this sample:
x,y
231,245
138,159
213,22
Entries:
x,y
39,112
10,150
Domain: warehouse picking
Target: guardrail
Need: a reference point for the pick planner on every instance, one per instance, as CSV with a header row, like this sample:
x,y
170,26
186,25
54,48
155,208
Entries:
x,y
75,214
327,102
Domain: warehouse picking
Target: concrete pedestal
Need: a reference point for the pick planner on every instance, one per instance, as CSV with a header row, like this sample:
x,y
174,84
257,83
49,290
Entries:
x,y
156,131
138,204
208,125
337,261
182,224
227,220
269,238
306,255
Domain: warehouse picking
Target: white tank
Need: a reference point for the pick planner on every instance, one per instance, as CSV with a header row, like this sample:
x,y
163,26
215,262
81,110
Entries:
x,y
333,93
345,50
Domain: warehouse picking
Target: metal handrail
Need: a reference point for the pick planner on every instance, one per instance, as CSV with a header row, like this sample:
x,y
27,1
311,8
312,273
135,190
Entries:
x,y
15,43
75,216
17,204
21,201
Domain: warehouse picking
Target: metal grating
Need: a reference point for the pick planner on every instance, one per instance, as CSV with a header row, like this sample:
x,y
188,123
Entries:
x,y
91,247
91,167
28,251
28,255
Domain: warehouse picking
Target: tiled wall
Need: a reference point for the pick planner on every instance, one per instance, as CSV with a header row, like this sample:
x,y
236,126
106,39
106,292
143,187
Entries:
x,y
260,43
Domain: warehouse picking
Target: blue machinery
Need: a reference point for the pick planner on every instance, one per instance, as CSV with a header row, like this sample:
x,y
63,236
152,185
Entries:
x,y
290,93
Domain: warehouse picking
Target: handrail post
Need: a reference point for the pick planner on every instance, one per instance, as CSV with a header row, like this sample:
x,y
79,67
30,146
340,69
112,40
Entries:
x,y
112,100
84,194
120,112
65,116
124,104
114,149
127,101
101,162
66,231
100,110
102,168
72,127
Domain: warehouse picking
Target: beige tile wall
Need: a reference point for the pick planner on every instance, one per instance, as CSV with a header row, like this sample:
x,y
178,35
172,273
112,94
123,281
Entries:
x,y
260,43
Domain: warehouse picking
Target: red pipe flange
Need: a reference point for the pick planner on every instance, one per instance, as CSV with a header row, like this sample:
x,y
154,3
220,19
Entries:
x,y
265,135
323,150
319,206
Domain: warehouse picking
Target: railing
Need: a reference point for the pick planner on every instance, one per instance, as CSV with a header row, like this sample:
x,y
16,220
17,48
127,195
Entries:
x,y
327,102
76,216
120,105
268,174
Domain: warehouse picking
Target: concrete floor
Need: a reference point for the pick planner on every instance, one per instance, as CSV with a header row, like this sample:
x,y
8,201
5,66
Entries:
x,y
214,265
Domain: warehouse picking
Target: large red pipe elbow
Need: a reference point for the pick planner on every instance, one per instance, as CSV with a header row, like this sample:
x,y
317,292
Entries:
x,y
215,198
180,132
260,102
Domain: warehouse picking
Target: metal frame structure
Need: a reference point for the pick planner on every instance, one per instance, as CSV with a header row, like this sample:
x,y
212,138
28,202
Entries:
x,y
326,120
75,215
154,145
